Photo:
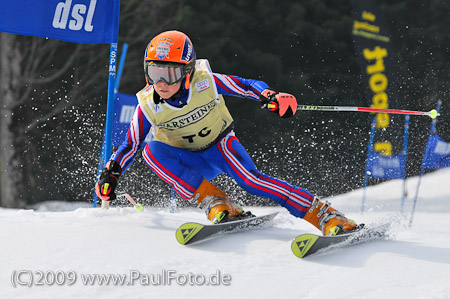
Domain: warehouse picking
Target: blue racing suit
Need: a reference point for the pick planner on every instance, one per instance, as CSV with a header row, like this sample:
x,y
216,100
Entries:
x,y
184,169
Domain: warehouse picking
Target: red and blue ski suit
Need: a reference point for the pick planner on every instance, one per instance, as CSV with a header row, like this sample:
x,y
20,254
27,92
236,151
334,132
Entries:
x,y
184,167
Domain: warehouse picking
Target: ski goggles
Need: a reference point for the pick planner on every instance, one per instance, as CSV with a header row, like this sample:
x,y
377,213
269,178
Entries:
x,y
168,73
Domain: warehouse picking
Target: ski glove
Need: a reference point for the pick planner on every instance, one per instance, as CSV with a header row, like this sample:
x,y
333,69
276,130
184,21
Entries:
x,y
284,104
106,185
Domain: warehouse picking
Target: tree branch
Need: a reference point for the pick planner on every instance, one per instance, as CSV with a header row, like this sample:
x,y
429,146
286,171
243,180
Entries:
x,y
59,73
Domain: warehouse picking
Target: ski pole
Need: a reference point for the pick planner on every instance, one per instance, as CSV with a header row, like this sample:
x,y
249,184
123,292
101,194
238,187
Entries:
x,y
433,113
137,206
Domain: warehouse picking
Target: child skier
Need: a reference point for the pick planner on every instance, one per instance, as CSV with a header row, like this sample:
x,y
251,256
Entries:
x,y
194,141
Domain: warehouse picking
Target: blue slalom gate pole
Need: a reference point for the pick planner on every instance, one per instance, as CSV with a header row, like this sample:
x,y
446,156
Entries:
x,y
110,101
113,87
173,201
405,154
432,129
369,151
120,70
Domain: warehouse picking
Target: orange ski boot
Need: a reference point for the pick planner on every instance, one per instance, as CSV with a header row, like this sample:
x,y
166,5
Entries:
x,y
328,220
216,203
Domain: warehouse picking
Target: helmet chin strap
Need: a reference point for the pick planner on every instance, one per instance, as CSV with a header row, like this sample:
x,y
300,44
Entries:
x,y
157,98
178,93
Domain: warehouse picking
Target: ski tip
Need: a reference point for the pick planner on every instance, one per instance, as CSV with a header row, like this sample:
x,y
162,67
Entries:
x,y
187,231
302,244
272,215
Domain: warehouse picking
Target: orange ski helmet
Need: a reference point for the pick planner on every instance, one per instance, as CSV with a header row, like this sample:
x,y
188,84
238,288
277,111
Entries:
x,y
169,57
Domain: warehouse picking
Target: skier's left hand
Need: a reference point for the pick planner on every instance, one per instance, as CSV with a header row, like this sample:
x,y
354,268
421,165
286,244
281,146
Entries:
x,y
284,104
106,185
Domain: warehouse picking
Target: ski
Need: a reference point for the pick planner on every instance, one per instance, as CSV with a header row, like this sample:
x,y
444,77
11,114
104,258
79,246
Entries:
x,y
191,232
308,244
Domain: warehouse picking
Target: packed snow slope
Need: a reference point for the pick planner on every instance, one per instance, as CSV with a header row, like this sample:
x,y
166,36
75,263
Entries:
x,y
61,245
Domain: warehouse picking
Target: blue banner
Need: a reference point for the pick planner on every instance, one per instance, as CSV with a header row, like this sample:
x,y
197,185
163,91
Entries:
x,y
124,107
437,153
382,167
78,21
387,166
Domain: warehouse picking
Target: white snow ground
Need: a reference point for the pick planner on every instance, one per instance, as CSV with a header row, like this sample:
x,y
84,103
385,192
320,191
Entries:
x,y
60,241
